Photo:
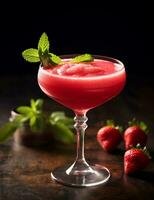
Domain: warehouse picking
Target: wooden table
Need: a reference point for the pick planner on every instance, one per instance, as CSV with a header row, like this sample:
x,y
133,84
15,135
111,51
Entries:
x,y
25,172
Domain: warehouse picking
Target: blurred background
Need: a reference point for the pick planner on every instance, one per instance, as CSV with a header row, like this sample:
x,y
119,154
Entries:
x,y
123,31
120,30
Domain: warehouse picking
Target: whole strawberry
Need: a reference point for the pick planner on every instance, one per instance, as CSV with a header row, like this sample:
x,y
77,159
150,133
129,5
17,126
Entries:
x,y
135,134
109,136
135,159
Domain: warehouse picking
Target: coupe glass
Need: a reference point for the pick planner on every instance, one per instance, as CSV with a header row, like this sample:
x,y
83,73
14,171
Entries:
x,y
82,94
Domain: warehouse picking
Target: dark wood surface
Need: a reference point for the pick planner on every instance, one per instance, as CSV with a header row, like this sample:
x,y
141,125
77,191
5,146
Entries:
x,y
25,172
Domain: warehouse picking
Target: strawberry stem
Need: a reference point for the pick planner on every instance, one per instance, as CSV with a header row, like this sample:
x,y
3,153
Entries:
x,y
112,124
143,126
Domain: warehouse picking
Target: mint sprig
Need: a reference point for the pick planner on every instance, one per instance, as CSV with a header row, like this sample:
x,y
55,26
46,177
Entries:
x,y
42,54
83,58
39,121
34,115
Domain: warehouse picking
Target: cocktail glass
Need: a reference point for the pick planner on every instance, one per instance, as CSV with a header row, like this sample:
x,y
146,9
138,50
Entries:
x,y
82,93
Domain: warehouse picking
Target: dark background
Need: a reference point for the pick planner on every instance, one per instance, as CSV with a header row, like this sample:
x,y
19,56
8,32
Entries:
x,y
123,31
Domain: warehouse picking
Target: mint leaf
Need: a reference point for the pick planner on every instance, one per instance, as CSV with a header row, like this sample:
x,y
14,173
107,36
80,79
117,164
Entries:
x,y
62,133
83,58
32,123
20,119
31,55
37,123
43,43
7,130
32,104
24,109
62,118
56,116
54,60
38,104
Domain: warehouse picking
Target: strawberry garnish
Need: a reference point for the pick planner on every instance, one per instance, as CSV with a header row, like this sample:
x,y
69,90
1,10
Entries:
x,y
136,159
135,133
109,136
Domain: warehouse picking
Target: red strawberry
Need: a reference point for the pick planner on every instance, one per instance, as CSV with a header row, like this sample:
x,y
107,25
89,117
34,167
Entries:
x,y
135,159
135,134
109,136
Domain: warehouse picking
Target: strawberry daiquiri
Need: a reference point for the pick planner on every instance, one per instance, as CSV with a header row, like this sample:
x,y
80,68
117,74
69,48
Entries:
x,y
82,86
80,83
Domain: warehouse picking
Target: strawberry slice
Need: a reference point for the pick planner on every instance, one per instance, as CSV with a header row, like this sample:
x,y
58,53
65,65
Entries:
x,y
135,159
109,136
135,133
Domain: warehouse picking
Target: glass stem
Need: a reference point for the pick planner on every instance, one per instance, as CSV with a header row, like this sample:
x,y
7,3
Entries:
x,y
80,127
80,166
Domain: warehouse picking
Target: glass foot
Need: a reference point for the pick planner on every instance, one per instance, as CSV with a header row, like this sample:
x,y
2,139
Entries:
x,y
98,176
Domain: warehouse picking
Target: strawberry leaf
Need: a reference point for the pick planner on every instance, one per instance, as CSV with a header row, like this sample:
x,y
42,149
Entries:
x,y
110,123
120,128
143,126
147,152
133,122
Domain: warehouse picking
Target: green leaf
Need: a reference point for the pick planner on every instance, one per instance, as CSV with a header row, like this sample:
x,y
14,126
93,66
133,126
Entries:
x,y
32,104
24,109
36,106
110,123
37,123
54,60
32,123
20,119
57,115
39,104
31,55
133,122
67,121
145,150
62,118
83,58
120,128
7,130
43,44
143,126
62,133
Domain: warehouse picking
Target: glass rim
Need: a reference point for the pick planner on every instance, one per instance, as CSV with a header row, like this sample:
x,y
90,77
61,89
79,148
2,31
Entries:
x,y
101,57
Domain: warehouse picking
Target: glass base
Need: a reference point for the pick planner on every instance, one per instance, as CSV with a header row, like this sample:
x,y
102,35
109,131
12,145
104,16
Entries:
x,y
99,175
